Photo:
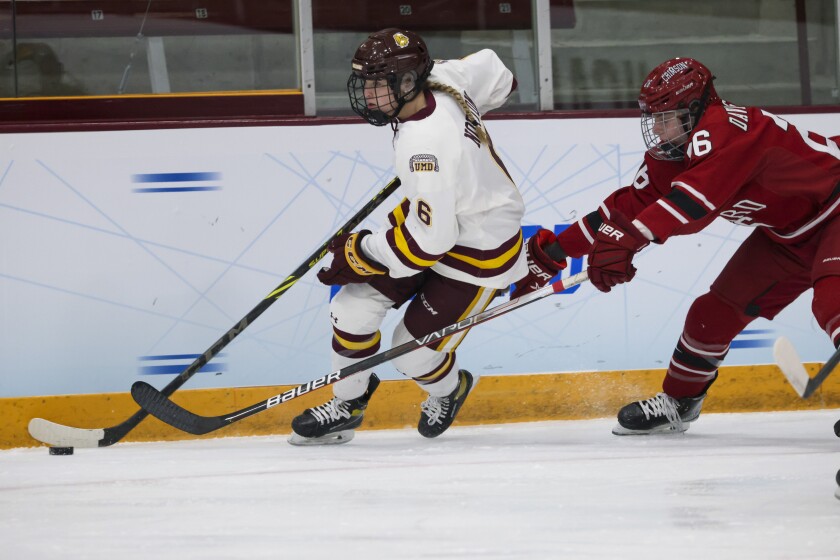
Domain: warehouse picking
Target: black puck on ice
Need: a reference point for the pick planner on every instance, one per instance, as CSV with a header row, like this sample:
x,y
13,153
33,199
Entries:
x,y
838,477
837,429
61,450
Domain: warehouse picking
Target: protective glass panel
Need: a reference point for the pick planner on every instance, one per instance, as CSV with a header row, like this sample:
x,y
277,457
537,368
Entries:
x,y
763,52
450,30
111,47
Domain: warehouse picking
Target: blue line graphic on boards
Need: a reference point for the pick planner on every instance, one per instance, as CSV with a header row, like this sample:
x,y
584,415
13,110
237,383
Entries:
x,y
741,342
182,362
179,178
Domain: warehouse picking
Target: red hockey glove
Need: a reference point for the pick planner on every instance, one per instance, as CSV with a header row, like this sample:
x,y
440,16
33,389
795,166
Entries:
x,y
611,259
545,260
350,265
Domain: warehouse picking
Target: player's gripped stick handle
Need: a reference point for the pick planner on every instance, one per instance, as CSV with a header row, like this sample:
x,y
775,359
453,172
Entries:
x,y
78,437
164,409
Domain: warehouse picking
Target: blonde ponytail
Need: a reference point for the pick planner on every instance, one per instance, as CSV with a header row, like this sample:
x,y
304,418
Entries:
x,y
471,116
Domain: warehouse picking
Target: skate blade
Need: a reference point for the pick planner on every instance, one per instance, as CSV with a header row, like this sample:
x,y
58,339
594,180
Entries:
x,y
329,439
620,430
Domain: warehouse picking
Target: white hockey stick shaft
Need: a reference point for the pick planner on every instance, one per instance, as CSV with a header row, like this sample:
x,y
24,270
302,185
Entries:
x,y
788,360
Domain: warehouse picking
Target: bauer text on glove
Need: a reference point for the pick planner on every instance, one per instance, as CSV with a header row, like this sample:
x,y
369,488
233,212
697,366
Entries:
x,y
545,260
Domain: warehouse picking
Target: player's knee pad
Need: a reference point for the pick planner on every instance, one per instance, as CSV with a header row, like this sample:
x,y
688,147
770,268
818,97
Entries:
x,y
358,309
356,312
826,306
424,365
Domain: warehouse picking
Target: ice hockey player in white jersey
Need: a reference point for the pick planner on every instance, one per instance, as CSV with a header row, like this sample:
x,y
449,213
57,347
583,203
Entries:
x,y
454,242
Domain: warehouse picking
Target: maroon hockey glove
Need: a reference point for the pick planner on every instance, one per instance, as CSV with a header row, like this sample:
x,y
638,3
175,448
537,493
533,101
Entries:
x,y
611,259
350,265
545,260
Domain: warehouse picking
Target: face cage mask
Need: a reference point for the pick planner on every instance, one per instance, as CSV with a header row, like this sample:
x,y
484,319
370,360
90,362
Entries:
x,y
376,116
671,149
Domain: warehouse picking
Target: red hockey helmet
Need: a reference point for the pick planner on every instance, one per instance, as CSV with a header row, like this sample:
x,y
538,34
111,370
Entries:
x,y
399,58
674,96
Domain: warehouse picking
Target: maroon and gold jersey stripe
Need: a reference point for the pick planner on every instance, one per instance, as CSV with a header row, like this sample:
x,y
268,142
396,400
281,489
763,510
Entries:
x,y
407,249
483,263
398,214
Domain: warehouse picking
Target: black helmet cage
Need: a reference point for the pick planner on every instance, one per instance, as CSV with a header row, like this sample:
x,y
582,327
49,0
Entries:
x,y
386,111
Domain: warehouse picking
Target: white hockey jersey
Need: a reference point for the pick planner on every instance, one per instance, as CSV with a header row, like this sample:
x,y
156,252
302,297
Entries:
x,y
462,211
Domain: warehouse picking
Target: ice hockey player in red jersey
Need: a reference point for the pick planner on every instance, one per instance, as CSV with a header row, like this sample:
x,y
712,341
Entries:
x,y
454,241
708,158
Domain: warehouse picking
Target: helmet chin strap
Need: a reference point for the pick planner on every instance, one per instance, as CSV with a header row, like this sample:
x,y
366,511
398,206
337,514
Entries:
x,y
700,106
674,152
695,110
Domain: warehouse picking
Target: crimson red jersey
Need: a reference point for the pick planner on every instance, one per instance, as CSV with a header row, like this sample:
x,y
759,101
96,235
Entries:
x,y
743,164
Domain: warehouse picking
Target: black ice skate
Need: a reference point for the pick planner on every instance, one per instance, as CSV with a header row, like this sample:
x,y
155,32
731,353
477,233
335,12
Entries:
x,y
438,413
658,414
332,422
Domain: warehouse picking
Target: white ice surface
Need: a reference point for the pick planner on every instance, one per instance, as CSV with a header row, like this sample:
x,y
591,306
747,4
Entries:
x,y
735,486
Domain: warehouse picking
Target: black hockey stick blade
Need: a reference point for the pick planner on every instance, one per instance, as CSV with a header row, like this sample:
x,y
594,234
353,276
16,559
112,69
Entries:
x,y
59,435
177,416
791,365
157,404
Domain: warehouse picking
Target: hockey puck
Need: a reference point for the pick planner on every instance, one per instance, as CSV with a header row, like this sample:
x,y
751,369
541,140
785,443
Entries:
x,y
61,450
837,490
837,429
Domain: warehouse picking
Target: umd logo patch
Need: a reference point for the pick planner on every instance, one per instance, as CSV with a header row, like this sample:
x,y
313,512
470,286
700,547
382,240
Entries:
x,y
423,162
401,40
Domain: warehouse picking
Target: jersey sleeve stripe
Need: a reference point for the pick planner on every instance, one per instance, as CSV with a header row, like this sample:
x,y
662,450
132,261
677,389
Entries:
x,y
585,230
397,215
605,209
407,249
644,229
661,202
687,204
390,237
695,193
594,221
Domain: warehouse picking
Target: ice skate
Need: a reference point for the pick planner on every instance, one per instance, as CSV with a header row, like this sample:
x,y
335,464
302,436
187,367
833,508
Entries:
x,y
333,422
659,414
438,413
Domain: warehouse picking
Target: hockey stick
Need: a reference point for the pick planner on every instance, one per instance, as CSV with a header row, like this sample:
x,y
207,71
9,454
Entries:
x,y
791,365
157,403
59,435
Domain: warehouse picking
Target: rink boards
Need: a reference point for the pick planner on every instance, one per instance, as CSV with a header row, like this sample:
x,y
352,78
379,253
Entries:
x,y
496,399
126,254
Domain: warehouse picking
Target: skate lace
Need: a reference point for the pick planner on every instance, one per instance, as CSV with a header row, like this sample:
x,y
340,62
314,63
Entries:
x,y
663,405
435,408
332,410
